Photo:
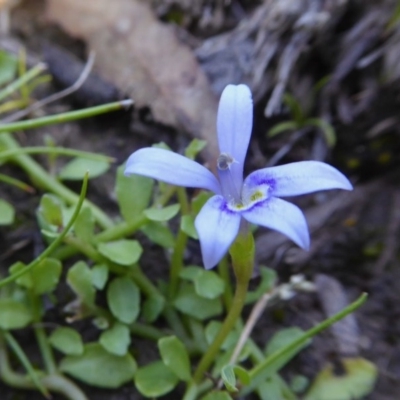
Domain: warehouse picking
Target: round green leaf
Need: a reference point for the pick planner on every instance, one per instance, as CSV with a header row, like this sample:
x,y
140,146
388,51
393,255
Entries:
x,y
159,234
217,395
50,211
191,272
67,340
99,276
7,213
155,379
98,367
79,278
187,226
43,278
175,357
209,285
116,340
162,214
123,298
124,252
356,383
152,308
190,303
13,314
127,188
77,168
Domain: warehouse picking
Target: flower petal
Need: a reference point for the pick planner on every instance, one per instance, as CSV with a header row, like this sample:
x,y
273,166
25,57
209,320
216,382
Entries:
x,y
172,168
281,216
298,178
234,124
217,228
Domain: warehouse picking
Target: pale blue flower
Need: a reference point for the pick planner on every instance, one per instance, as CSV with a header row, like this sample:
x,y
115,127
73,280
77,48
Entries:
x,y
256,199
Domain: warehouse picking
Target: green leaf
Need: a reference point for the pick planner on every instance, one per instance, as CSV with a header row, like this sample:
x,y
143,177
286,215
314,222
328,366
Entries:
x,y
162,214
77,168
123,298
133,194
98,367
282,127
199,201
155,380
79,279
217,395
229,378
211,331
195,146
7,213
242,374
84,225
191,272
8,67
99,276
209,285
43,278
270,389
152,308
159,234
283,338
13,314
294,107
299,383
116,340
175,357
190,303
161,145
125,252
326,128
268,281
187,226
67,340
50,210
356,383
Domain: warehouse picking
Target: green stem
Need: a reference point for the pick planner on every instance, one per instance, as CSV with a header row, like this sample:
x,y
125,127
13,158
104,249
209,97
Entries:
x,y
176,263
179,248
257,373
46,181
195,391
197,331
175,322
55,243
118,231
65,117
146,331
183,200
242,253
268,365
17,183
15,85
53,151
87,249
16,348
54,383
227,326
44,346
223,269
121,230
144,283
